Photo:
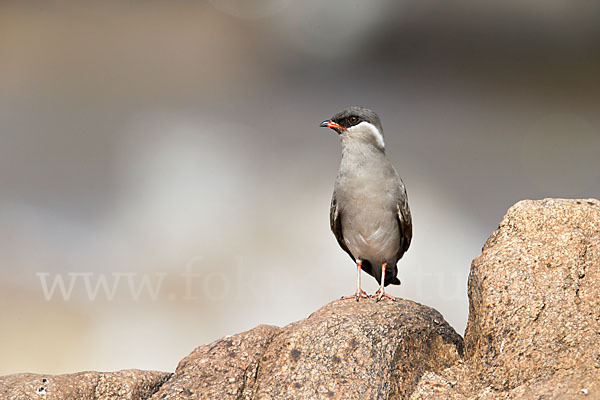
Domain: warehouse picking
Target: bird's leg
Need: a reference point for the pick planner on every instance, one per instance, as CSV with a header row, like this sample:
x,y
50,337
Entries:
x,y
380,293
359,292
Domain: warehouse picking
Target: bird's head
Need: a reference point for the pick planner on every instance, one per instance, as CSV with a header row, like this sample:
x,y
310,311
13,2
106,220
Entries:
x,y
357,123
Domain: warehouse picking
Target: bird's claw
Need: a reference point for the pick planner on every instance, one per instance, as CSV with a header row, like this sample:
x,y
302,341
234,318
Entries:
x,y
380,294
357,296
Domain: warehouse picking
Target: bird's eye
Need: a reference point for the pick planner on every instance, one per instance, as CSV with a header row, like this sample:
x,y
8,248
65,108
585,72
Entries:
x,y
353,120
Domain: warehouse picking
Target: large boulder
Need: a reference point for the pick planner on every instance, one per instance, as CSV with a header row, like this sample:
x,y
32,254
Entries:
x,y
345,350
534,315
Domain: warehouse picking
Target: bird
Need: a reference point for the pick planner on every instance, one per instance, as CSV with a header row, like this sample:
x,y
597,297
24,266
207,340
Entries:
x,y
369,213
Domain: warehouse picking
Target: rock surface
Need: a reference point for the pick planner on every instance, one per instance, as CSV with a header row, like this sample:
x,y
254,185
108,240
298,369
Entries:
x,y
345,350
534,315
225,369
533,333
126,385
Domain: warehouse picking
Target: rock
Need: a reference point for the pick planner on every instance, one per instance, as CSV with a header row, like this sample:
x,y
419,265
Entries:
x,y
126,385
534,313
225,369
533,333
345,350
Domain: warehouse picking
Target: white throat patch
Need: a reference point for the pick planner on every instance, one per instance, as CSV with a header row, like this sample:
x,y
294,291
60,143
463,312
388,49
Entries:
x,y
367,128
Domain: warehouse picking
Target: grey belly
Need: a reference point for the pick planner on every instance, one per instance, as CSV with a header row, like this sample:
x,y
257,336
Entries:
x,y
372,237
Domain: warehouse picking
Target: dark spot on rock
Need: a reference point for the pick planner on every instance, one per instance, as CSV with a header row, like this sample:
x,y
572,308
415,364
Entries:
x,y
295,354
336,359
187,392
232,355
330,393
44,380
578,202
590,203
353,343
297,385
229,343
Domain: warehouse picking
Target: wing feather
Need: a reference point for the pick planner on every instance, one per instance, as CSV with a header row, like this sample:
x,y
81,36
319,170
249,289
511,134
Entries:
x,y
335,221
404,223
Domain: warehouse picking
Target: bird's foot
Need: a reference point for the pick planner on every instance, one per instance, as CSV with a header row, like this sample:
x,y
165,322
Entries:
x,y
358,295
380,294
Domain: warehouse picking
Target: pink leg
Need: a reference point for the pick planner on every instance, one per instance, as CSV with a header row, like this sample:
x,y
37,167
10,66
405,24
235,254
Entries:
x,y
359,292
381,291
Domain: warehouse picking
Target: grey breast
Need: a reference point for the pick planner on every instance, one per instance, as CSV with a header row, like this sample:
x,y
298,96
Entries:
x,y
369,195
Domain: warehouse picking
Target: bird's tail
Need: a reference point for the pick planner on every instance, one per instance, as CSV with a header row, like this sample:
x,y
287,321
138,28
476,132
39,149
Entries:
x,y
392,278
390,273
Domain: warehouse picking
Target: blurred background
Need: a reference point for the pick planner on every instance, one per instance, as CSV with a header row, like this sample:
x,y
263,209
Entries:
x,y
164,181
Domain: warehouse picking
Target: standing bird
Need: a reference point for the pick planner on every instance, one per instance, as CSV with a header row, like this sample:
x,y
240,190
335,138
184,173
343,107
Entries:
x,y
369,213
